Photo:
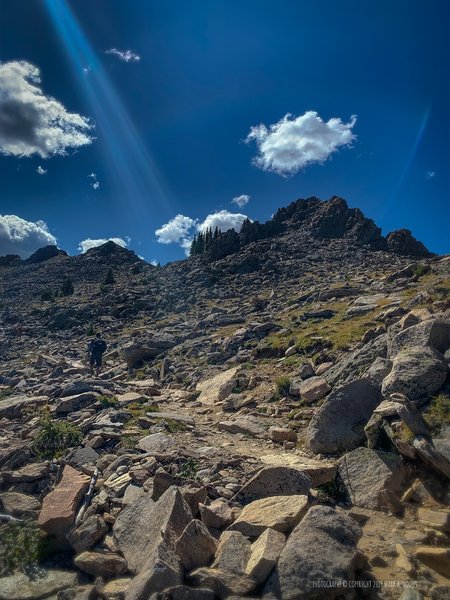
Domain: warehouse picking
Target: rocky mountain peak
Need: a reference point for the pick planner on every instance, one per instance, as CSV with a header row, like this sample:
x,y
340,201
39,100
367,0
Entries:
x,y
45,253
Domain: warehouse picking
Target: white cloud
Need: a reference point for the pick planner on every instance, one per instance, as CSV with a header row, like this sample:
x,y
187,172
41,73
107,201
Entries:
x,y
430,174
153,262
224,220
177,230
296,142
124,55
95,182
31,122
21,237
87,244
241,200
41,171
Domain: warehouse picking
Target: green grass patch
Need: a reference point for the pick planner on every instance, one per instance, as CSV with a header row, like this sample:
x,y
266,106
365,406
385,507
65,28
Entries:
x,y
23,545
108,401
54,438
282,385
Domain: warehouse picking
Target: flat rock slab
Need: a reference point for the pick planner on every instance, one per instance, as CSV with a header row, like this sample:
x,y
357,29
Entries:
x,y
158,443
217,388
251,426
59,506
274,481
20,587
314,388
12,407
172,417
19,505
319,471
281,513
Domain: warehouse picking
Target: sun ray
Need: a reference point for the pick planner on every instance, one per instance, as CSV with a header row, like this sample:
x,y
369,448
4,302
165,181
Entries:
x,y
130,165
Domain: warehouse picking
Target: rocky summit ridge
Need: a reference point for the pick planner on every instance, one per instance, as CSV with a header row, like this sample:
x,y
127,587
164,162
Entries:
x,y
272,418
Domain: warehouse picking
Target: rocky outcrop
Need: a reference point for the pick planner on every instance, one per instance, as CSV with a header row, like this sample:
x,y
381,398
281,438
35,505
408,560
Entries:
x,y
338,425
321,548
43,254
403,242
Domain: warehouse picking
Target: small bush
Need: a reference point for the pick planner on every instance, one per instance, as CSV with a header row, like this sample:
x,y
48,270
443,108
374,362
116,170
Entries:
x,y
5,392
420,270
47,296
108,401
109,279
55,437
283,385
22,547
438,413
67,288
189,469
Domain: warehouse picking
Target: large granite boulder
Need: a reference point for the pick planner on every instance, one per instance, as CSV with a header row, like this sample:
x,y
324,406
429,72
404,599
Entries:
x,y
339,423
321,548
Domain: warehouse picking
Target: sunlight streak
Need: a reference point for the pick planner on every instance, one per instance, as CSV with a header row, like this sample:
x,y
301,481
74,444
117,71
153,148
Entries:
x,y
131,167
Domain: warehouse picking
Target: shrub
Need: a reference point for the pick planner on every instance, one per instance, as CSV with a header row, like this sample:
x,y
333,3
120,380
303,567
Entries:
x,y
109,279
189,469
22,546
67,288
438,413
47,296
108,401
283,385
54,437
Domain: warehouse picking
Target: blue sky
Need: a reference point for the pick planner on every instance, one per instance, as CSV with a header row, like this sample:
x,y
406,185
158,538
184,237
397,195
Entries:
x,y
162,129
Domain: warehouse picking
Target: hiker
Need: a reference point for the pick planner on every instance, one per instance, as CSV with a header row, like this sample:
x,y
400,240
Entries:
x,y
96,349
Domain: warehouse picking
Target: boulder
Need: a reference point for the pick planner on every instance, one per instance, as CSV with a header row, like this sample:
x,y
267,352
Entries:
x,y
366,473
137,530
314,388
282,434
196,546
76,402
59,506
20,586
432,333
88,534
265,553
224,584
321,548
19,505
281,513
348,369
319,471
417,372
158,444
274,481
437,559
101,564
233,552
183,592
217,514
339,423
246,425
217,388
161,569
139,351
13,406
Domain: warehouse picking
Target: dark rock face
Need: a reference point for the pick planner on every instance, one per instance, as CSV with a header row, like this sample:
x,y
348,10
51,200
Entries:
x,y
44,254
10,260
403,242
332,219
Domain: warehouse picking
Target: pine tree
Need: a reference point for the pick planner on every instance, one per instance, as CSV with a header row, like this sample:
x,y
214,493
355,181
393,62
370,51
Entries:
x,y
67,288
109,279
